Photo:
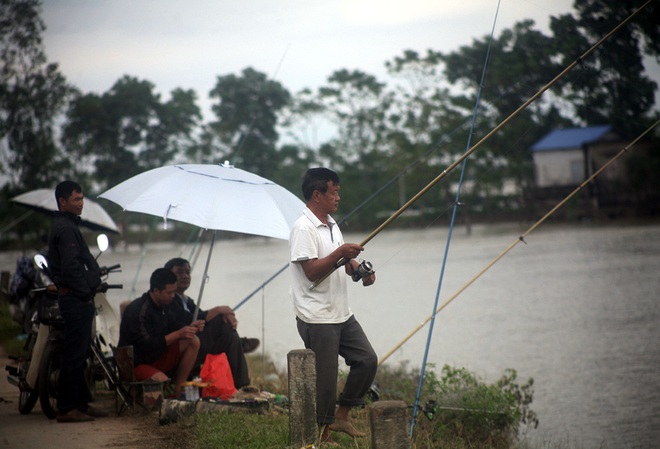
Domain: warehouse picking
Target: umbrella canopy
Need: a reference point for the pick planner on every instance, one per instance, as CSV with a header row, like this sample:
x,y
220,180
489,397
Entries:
x,y
217,197
93,215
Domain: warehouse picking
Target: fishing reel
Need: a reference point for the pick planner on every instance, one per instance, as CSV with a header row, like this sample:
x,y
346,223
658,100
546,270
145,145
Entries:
x,y
430,409
363,270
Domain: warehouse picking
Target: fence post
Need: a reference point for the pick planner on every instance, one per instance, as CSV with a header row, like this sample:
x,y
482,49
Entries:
x,y
388,425
303,429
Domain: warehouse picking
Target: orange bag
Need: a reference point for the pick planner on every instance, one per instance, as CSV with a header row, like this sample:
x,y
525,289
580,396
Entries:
x,y
217,373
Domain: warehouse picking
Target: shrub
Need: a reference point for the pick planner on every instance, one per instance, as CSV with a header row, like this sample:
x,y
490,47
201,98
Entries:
x,y
458,410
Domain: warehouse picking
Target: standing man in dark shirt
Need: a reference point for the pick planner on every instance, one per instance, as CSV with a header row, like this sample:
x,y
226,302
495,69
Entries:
x,y
77,276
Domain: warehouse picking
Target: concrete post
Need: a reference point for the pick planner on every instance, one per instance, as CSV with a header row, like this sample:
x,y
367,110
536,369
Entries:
x,y
303,429
388,422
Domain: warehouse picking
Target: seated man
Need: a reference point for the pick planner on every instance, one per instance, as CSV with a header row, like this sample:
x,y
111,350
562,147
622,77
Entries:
x,y
162,344
220,329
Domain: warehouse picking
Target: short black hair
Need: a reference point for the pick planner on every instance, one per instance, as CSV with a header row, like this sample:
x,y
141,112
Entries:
x,y
176,262
64,190
160,278
318,179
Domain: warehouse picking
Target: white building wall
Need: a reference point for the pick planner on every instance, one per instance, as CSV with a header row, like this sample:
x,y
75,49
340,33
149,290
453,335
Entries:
x,y
558,168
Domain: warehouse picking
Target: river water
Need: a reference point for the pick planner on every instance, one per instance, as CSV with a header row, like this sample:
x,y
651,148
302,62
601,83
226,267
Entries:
x,y
576,308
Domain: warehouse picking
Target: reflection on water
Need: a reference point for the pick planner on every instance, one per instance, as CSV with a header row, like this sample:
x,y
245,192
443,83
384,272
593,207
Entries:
x,y
576,308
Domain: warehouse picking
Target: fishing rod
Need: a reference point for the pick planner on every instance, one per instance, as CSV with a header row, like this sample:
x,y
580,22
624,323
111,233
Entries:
x,y
520,239
465,155
477,102
355,210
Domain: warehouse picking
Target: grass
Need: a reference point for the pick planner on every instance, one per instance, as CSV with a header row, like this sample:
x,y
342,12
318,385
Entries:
x,y
481,416
241,430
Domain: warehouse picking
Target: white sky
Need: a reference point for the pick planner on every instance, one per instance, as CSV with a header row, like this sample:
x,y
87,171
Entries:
x,y
299,43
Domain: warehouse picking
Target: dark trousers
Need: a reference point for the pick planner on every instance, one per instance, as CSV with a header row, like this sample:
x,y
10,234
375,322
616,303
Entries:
x,y
328,341
219,337
72,387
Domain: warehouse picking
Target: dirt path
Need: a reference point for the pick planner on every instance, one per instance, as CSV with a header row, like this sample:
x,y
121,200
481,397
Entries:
x,y
131,430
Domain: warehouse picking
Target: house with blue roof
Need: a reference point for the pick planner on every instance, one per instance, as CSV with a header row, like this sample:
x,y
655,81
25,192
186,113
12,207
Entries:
x,y
565,158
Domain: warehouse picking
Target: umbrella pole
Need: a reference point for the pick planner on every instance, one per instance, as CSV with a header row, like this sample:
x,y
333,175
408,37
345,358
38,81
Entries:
x,y
206,269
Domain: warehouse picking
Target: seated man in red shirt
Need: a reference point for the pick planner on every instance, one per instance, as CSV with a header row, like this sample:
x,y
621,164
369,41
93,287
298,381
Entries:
x,y
162,344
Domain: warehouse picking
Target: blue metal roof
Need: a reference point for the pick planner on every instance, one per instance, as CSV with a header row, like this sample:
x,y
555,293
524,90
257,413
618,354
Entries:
x,y
564,139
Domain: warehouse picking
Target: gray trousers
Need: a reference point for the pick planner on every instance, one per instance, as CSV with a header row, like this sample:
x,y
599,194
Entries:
x,y
329,341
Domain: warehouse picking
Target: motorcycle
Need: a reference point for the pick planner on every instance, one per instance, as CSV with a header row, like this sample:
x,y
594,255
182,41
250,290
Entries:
x,y
22,296
36,372
24,374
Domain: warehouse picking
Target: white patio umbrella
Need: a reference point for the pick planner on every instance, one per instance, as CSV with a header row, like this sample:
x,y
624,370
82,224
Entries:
x,y
214,197
93,215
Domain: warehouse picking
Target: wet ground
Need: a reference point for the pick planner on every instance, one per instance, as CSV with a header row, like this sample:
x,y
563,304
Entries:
x,y
131,430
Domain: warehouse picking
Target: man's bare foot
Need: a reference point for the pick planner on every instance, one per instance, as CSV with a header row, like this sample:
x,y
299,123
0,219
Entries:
x,y
329,442
325,440
342,425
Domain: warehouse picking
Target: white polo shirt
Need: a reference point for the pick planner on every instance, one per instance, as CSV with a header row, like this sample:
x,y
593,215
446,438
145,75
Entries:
x,y
327,303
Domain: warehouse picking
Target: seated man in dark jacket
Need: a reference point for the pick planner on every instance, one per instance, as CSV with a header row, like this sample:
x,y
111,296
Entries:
x,y
162,343
220,330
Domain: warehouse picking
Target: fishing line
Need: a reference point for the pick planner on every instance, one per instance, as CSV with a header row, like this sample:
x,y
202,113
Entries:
x,y
465,155
254,119
152,228
521,238
15,222
196,250
444,140
204,279
388,184
451,225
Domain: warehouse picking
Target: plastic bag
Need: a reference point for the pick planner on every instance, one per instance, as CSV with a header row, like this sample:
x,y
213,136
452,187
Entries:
x,y
217,373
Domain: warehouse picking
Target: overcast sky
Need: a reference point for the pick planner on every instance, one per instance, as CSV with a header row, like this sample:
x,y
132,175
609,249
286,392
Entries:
x,y
187,44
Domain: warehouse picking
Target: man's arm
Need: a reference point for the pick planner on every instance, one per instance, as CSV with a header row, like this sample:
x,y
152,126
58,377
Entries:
x,y
183,333
68,247
226,312
315,268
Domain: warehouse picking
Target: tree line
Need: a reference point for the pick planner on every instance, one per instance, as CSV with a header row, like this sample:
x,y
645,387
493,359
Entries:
x,y
417,118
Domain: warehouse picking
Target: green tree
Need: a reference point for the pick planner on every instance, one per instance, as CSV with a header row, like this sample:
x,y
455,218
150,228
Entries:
x,y
128,130
247,118
33,94
611,86
357,103
303,118
428,126
522,61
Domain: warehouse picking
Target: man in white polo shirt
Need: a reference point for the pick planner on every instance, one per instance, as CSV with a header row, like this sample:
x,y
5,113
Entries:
x,y
325,321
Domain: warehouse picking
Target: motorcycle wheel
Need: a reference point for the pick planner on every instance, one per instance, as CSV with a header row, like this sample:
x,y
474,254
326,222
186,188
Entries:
x,y
26,401
27,397
49,373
